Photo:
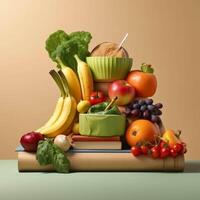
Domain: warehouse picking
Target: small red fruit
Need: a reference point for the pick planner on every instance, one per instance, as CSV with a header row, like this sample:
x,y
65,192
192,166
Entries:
x,y
144,149
136,151
155,151
178,148
30,141
163,144
97,97
173,153
164,152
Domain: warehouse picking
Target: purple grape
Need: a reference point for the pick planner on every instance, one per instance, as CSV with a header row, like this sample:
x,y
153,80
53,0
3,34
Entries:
x,y
140,114
136,106
151,107
143,107
154,118
158,112
135,113
159,105
146,114
141,102
148,101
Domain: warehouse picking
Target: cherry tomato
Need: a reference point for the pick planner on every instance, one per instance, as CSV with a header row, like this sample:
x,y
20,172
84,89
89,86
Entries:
x,y
178,148
144,149
155,151
164,152
136,151
173,153
97,97
163,144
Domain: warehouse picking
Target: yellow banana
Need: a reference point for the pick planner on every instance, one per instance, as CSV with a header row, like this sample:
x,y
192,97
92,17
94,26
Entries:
x,y
65,119
55,115
59,104
85,77
73,83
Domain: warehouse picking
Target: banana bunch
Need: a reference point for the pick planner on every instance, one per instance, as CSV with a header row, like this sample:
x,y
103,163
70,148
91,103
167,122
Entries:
x,y
85,77
72,91
62,119
72,80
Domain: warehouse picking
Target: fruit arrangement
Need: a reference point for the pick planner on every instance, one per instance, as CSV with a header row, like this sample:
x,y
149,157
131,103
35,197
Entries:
x,y
100,96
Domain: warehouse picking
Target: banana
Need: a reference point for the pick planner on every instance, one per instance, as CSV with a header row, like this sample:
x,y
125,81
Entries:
x,y
73,83
59,104
65,119
55,115
85,77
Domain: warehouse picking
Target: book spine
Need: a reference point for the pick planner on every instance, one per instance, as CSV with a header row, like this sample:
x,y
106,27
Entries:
x,y
94,139
105,162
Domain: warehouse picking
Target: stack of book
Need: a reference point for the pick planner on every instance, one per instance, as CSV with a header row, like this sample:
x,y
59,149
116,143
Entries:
x,y
91,142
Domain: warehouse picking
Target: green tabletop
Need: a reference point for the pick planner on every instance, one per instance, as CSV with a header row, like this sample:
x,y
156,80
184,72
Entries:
x,y
101,185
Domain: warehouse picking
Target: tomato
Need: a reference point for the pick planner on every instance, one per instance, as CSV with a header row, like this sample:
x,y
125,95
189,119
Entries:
x,y
163,144
141,131
136,151
97,97
155,151
164,152
144,149
173,153
178,148
144,82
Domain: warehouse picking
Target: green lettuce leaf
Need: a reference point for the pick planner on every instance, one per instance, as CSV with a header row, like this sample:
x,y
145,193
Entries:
x,y
43,156
62,47
60,162
54,41
49,153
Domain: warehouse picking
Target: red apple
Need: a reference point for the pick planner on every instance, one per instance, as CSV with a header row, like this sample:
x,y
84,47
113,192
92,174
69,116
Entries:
x,y
30,141
123,90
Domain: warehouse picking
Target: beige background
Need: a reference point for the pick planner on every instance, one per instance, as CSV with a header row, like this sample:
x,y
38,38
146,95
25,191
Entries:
x,y
165,33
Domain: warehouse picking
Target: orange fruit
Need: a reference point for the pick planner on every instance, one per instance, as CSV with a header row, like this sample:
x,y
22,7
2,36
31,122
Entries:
x,y
141,131
144,83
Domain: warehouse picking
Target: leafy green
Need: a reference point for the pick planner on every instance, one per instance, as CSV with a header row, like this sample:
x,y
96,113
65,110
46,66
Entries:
x,y
43,156
62,47
49,153
59,160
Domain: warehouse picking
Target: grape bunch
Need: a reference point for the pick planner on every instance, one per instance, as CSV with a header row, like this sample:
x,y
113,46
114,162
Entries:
x,y
144,109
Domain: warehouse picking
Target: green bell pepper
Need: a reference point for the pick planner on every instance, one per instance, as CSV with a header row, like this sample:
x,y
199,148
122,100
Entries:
x,y
100,109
